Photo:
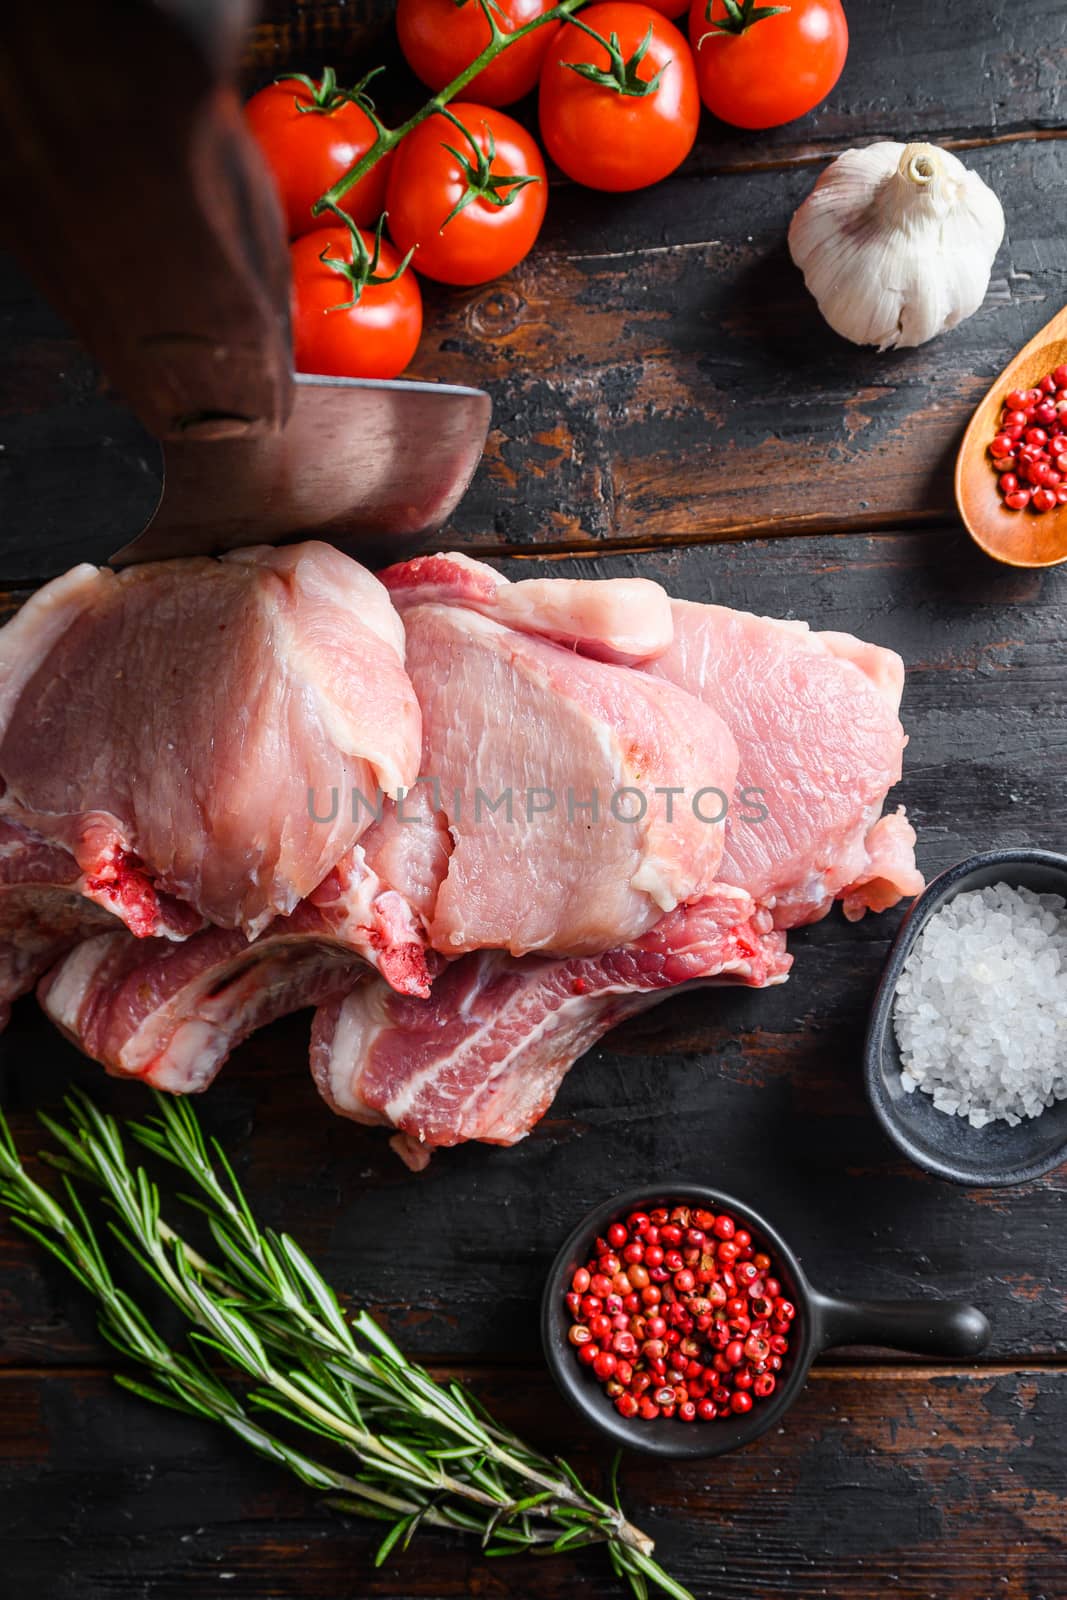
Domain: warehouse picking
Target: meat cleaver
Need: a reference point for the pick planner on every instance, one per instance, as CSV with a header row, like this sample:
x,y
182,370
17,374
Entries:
x,y
134,195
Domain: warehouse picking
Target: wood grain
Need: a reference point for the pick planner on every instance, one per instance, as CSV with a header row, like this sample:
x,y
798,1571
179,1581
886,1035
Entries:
x,y
662,384
692,390
912,1484
658,373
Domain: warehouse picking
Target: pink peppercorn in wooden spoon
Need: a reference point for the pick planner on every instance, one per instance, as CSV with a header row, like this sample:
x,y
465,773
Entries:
x,y
1018,538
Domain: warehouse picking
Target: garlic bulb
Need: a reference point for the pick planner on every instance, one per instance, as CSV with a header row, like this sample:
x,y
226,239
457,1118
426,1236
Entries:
x,y
896,243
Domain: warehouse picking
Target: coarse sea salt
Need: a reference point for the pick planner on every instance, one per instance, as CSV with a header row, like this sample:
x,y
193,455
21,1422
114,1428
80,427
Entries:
x,y
981,1006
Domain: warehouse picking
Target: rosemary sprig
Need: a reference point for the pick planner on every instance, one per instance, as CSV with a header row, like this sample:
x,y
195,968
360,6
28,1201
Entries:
x,y
414,1451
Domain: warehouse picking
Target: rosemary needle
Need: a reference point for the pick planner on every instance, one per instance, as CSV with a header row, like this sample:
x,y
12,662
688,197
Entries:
x,y
399,1446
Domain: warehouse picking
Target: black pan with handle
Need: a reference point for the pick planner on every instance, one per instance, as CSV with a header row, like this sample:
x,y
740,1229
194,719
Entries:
x,y
924,1325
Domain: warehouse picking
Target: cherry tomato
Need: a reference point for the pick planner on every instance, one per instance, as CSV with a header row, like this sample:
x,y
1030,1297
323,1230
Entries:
x,y
440,38
377,337
428,181
776,69
600,136
307,151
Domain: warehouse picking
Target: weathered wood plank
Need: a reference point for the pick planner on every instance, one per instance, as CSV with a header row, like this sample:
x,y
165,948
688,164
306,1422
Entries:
x,y
912,1484
658,373
659,370
658,376
758,1092
296,36
913,72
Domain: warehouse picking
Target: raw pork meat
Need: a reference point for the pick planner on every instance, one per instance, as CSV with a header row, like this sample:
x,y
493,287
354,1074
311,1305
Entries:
x,y
411,854
815,717
626,620
43,913
484,1056
167,725
558,920
171,1013
525,747
47,905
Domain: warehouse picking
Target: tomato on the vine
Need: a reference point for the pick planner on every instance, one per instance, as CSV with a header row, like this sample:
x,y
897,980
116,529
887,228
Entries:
x,y
467,192
310,133
374,338
440,38
619,106
668,8
762,65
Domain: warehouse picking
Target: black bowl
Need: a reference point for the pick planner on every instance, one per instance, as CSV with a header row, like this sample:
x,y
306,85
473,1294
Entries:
x,y
989,1157
931,1327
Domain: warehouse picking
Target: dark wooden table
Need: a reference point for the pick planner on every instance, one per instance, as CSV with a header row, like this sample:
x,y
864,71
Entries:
x,y
667,402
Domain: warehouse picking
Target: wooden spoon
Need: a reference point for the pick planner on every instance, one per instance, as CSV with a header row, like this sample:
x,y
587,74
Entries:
x,y
1018,538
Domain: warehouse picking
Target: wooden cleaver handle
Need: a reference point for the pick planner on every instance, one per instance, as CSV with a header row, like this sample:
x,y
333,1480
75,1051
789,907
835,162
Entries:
x,y
141,207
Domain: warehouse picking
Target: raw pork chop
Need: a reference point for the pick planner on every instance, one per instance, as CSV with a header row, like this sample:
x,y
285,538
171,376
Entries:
x,y
171,1013
484,1056
411,854
42,910
168,723
521,739
626,620
815,716
47,905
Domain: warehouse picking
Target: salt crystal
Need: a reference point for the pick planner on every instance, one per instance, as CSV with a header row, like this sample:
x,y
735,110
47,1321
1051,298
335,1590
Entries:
x,y
981,1006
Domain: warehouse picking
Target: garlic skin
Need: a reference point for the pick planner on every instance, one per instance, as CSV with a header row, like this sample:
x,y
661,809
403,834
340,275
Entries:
x,y
896,242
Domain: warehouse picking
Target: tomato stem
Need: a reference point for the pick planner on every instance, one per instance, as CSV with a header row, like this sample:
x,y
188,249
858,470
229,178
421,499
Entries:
x,y
496,189
325,94
362,271
740,16
388,138
621,76
494,5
